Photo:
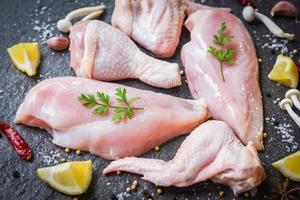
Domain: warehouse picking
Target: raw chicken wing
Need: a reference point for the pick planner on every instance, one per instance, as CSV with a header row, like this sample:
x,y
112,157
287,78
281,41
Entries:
x,y
154,24
211,151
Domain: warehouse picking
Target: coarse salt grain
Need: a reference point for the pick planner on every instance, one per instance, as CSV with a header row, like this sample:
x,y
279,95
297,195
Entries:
x,y
50,158
286,132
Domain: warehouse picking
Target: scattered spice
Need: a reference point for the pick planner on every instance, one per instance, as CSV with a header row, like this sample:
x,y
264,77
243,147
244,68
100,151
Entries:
x,y
181,72
159,191
147,194
221,193
135,182
113,197
157,148
16,174
295,51
16,140
265,135
246,194
260,60
119,173
248,3
78,152
133,187
67,150
284,192
103,104
128,189
63,160
268,95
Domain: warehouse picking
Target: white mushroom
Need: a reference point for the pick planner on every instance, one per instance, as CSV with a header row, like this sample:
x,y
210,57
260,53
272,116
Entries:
x,y
65,24
286,104
250,14
294,95
93,15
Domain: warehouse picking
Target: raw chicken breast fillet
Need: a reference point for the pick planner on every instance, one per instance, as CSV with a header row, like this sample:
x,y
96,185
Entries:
x,y
238,100
102,52
211,151
53,105
154,24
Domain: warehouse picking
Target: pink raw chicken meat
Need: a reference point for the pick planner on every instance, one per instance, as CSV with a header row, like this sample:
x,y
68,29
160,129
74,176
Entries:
x,y
53,105
211,151
237,101
154,24
102,52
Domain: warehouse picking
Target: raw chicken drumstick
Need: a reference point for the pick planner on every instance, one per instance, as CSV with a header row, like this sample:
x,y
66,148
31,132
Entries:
x,y
154,24
211,151
236,100
102,52
53,105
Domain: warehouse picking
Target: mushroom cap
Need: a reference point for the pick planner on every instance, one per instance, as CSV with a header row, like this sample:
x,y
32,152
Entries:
x,y
284,102
248,13
64,25
292,92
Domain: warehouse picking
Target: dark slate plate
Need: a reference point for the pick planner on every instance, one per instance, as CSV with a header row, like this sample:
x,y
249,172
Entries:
x,y
32,20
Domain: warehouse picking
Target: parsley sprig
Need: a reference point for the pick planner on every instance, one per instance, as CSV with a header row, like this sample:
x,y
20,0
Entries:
x,y
223,55
101,104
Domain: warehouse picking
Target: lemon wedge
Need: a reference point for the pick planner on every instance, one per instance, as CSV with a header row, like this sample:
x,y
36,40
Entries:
x,y
289,166
72,178
26,57
285,71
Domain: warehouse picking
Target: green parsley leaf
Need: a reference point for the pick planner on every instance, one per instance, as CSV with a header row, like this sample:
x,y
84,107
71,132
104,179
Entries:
x,y
88,100
221,54
102,104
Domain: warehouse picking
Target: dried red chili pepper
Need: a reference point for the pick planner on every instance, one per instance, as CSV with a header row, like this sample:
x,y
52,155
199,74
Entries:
x,y
16,140
248,3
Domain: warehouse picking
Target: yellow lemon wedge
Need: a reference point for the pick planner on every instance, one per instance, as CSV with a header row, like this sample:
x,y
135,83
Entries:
x,y
285,72
289,166
72,178
26,57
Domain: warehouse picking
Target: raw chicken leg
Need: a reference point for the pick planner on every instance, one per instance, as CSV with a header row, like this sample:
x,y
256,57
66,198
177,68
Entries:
x,y
53,105
237,101
102,52
211,151
154,24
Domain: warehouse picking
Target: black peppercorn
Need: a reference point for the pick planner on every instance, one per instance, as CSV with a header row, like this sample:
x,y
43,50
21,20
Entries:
x,y
16,174
113,197
268,95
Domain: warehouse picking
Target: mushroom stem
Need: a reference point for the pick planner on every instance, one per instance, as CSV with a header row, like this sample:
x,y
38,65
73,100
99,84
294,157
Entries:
x,y
83,11
273,27
294,95
286,104
92,15
296,101
65,24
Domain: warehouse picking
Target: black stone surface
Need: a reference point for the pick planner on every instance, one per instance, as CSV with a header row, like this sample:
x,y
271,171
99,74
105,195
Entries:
x,y
18,20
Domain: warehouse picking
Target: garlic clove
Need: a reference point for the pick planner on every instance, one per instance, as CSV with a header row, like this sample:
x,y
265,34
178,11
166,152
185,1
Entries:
x,y
59,43
284,8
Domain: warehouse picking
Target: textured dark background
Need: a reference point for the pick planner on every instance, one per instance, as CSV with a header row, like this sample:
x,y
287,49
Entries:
x,y
18,20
